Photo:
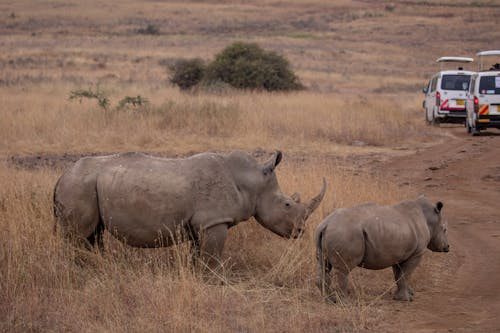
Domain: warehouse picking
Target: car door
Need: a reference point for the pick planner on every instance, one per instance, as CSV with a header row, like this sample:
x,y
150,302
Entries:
x,y
430,99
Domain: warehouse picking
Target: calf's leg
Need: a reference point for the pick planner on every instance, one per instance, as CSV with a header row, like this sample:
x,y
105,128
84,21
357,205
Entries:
x,y
402,272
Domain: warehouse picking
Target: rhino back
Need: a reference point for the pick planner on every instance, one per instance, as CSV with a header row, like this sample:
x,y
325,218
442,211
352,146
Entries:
x,y
141,196
385,235
393,234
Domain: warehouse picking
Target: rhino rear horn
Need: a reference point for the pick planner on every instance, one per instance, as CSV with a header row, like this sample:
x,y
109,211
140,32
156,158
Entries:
x,y
273,162
314,203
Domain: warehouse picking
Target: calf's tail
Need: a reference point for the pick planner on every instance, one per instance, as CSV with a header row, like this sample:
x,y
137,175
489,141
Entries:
x,y
324,266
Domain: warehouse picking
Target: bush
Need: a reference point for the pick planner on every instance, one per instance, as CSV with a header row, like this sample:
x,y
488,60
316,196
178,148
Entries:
x,y
151,29
248,66
101,98
136,102
187,73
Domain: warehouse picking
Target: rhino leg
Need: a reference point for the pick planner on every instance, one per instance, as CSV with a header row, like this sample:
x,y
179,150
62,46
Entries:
x,y
211,244
96,238
323,281
341,275
402,272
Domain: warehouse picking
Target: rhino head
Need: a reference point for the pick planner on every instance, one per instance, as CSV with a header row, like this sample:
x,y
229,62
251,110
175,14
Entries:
x,y
439,236
284,215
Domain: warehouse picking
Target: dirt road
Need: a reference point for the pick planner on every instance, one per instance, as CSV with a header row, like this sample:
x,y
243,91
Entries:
x,y
464,173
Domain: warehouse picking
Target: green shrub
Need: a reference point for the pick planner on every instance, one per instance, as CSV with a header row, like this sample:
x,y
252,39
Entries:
x,y
187,73
248,66
133,102
101,98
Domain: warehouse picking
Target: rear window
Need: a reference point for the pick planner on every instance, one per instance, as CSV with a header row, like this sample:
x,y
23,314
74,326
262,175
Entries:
x,y
455,82
489,85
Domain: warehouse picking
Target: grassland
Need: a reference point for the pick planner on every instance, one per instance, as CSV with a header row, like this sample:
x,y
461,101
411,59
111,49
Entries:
x,y
363,63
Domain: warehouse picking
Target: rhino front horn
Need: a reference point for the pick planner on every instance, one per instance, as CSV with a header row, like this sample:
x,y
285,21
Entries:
x,y
314,203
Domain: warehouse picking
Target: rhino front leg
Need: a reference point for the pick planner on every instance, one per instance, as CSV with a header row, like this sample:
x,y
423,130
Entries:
x,y
402,272
211,245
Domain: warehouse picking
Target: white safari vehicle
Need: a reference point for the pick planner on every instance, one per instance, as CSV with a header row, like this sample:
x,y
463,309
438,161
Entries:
x,y
483,98
446,91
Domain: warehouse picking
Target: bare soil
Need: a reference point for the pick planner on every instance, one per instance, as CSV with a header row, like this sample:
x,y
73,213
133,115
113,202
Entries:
x,y
464,173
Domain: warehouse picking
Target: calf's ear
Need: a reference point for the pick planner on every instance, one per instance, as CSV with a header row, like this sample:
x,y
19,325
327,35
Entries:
x,y
439,206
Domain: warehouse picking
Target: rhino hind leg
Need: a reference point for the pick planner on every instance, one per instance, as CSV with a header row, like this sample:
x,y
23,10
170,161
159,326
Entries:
x,y
324,281
402,273
96,238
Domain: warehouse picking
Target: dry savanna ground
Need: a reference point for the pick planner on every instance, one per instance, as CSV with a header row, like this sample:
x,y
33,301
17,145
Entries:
x,y
363,62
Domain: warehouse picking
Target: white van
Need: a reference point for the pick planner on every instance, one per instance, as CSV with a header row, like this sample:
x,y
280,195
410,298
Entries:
x,y
483,98
445,93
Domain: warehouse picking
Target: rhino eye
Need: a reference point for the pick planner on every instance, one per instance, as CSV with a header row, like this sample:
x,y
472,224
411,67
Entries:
x,y
287,204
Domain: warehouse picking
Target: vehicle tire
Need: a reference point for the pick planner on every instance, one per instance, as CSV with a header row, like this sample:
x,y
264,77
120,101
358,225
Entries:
x,y
427,121
435,121
474,131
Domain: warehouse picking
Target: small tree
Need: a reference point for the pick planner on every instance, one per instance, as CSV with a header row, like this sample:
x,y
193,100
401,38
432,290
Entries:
x,y
187,73
248,66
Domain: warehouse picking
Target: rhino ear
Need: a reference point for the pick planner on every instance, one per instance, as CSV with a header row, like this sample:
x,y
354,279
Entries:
x,y
439,206
273,162
296,197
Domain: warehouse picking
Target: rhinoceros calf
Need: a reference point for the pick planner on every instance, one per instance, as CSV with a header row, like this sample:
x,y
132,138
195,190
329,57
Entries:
x,y
149,201
377,237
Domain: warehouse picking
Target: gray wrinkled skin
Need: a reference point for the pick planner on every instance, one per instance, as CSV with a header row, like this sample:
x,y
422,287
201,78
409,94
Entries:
x,y
377,237
149,201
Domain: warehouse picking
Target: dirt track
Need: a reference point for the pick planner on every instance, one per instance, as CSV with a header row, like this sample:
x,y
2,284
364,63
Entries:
x,y
464,173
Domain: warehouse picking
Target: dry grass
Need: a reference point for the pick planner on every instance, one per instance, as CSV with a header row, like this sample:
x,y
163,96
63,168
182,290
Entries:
x,y
364,63
176,122
47,284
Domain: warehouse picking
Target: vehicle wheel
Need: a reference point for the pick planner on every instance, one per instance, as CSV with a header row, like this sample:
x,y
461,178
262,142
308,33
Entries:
x,y
435,121
427,121
474,131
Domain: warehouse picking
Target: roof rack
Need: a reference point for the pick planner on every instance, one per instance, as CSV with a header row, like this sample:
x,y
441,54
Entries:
x,y
453,59
482,54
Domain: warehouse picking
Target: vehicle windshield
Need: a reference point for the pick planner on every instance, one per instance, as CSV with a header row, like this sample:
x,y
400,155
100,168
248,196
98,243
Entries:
x,y
489,85
455,82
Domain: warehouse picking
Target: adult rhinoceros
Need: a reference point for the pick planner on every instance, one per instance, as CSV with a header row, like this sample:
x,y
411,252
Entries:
x,y
149,201
376,237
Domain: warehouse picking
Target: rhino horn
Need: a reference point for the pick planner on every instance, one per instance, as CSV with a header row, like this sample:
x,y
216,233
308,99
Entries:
x,y
314,203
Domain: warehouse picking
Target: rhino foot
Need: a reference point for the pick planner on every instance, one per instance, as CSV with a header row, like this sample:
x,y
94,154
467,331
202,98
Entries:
x,y
405,295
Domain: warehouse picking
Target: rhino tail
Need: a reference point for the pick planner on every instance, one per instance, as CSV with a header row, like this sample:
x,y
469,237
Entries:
x,y
324,266
56,206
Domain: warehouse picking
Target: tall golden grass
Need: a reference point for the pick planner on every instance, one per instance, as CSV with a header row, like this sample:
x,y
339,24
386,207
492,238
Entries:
x,y
43,119
48,284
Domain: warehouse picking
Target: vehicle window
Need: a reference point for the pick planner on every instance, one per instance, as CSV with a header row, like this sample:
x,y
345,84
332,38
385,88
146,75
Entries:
x,y
489,85
455,82
434,83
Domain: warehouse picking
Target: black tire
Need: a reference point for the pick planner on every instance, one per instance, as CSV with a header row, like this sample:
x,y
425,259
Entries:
x,y
475,131
435,121
427,121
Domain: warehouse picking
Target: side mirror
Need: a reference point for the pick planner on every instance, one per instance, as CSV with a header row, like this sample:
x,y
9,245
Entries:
x,y
425,90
